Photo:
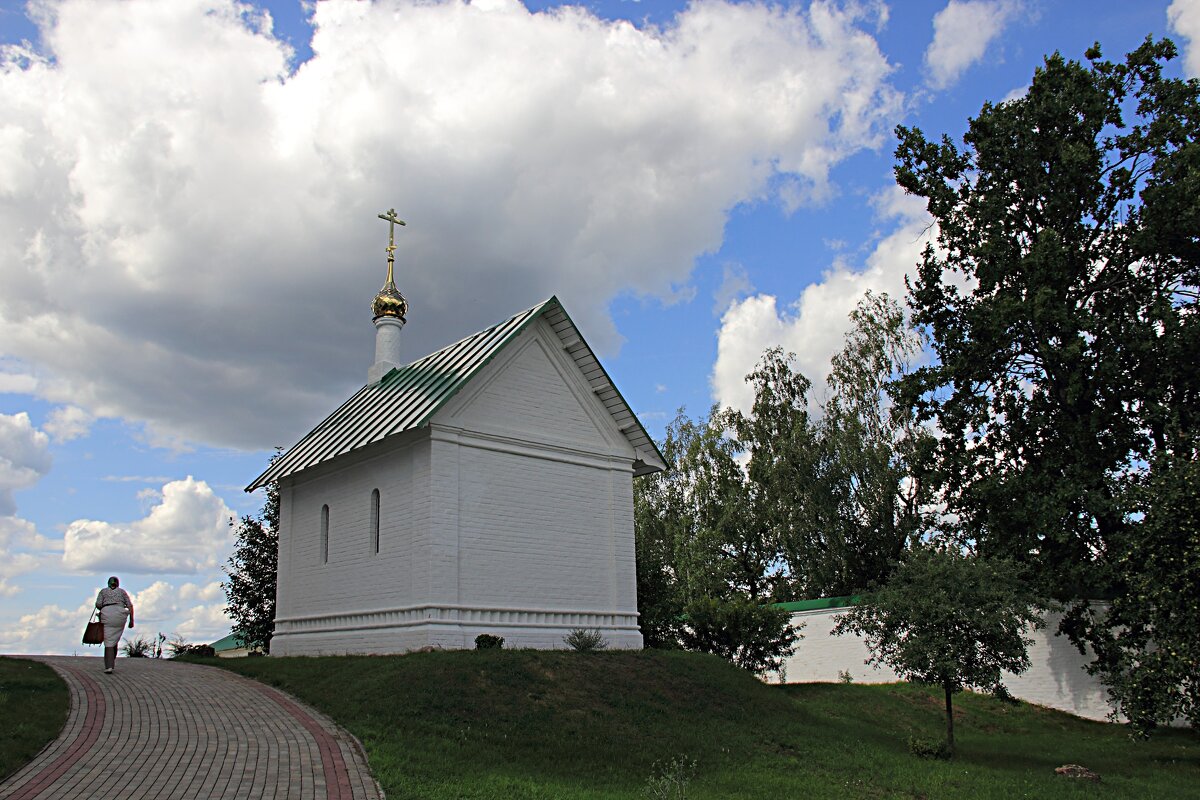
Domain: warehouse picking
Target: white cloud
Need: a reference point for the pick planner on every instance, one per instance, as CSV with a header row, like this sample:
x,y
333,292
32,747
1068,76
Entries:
x,y
190,236
814,325
14,564
1016,94
1184,18
157,601
204,624
24,458
21,533
68,422
187,531
962,32
161,599
139,479
735,284
194,611
17,383
50,629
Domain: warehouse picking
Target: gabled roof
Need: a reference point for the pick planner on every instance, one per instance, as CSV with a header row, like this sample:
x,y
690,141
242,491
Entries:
x,y
230,642
408,397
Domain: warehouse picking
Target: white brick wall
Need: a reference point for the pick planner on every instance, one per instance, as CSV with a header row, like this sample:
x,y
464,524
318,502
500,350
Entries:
x,y
355,576
511,514
563,530
1056,677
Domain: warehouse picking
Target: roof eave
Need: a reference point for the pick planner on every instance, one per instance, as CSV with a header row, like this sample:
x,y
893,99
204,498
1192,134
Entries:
x,y
656,462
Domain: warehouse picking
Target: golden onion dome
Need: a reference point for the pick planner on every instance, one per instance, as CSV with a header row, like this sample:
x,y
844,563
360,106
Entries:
x,y
389,302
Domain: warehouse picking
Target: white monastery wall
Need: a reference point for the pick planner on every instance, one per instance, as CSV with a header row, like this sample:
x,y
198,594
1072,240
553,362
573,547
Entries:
x,y
511,514
1056,677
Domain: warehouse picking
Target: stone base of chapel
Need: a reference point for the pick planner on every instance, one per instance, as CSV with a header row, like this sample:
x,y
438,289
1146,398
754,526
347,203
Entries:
x,y
346,636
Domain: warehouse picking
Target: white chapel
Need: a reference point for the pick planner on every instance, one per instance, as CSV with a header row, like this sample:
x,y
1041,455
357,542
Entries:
x,y
484,488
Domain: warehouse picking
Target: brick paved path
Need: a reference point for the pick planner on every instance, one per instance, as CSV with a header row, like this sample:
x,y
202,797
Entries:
x,y
165,730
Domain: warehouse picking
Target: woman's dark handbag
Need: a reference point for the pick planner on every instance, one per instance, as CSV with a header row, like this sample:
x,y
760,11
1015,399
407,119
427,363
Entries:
x,y
94,632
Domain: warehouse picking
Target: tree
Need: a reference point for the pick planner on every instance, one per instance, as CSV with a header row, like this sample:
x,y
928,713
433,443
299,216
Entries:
x,y
708,567
253,572
839,489
748,633
660,514
775,505
1148,650
1061,302
947,619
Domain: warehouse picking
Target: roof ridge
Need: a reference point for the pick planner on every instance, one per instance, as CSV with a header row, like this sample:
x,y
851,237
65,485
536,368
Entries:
x,y
535,307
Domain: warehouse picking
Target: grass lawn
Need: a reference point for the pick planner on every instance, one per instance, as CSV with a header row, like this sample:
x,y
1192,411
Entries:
x,y
526,724
33,709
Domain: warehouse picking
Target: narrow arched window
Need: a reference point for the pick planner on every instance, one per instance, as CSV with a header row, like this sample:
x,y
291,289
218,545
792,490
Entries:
x,y
325,534
375,521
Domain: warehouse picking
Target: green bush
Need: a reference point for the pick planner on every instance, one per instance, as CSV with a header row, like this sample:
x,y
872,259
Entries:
x,y
199,651
585,641
486,641
742,630
178,647
1001,693
928,747
140,647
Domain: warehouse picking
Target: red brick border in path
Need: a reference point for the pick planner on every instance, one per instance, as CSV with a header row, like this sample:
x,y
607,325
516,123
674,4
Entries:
x,y
93,721
177,731
331,755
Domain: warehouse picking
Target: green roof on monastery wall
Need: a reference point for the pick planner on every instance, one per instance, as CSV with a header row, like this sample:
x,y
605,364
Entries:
x,y
408,397
820,603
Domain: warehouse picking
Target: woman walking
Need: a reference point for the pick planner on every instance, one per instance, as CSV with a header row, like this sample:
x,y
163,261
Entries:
x,y
115,610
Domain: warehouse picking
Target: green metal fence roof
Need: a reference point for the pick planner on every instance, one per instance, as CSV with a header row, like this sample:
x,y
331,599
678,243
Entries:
x,y
819,603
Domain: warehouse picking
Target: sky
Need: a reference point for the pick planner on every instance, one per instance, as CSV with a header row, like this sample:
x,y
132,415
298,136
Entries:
x,y
189,243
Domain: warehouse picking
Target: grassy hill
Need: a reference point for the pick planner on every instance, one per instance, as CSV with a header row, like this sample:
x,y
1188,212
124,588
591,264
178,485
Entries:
x,y
33,708
524,724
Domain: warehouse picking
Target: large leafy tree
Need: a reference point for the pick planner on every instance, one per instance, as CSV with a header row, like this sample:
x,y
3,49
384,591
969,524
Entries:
x,y
948,619
1149,652
1061,303
661,513
778,504
708,566
253,574
838,488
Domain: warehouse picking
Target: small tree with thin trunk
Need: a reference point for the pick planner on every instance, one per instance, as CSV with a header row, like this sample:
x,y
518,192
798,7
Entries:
x,y
947,619
253,572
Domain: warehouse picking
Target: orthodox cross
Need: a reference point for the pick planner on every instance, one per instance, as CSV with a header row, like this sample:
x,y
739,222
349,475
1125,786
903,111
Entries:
x,y
392,220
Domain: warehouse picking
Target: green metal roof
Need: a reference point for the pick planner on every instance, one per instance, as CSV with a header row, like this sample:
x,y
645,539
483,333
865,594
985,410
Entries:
x,y
230,642
407,397
823,602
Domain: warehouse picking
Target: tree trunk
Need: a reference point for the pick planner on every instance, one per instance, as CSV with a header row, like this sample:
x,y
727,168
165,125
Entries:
x,y
949,717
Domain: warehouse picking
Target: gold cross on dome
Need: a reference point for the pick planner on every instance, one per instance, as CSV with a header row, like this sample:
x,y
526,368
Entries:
x,y
392,220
